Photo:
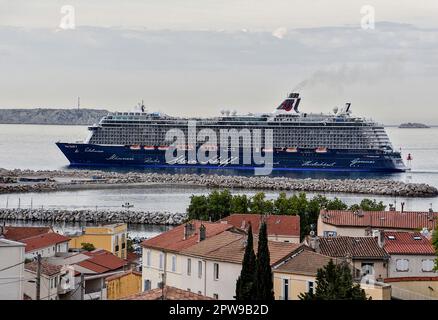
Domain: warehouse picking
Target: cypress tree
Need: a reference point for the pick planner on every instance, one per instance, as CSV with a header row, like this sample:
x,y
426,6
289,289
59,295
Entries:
x,y
245,282
264,287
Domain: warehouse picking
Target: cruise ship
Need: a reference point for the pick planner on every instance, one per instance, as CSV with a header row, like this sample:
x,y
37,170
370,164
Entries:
x,y
334,141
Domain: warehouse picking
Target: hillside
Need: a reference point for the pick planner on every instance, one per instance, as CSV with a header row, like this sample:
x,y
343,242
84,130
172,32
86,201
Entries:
x,y
51,116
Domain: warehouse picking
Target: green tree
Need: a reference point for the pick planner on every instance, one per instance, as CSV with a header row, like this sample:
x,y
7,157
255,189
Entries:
x,y
198,208
239,204
87,246
219,204
259,205
336,204
334,282
368,205
281,204
264,287
129,245
245,282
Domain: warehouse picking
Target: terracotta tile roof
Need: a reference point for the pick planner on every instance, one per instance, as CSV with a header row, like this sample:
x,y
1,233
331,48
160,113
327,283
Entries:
x,y
306,262
123,274
229,246
47,269
280,225
132,257
170,293
105,259
403,279
43,241
407,243
19,233
381,219
87,264
359,247
173,240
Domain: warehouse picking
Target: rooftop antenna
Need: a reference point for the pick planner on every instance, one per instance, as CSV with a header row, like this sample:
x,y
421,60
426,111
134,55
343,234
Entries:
x,y
79,102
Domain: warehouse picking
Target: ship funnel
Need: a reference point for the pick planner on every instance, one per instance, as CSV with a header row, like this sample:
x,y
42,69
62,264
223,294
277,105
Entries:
x,y
291,102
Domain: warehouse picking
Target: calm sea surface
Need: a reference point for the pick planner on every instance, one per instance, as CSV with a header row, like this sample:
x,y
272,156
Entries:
x,y
33,147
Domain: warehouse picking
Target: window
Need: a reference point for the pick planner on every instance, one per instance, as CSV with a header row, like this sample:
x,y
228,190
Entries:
x,y
215,296
402,264
330,233
216,271
161,261
173,263
199,269
56,282
148,258
310,286
427,265
285,289
367,268
189,266
147,285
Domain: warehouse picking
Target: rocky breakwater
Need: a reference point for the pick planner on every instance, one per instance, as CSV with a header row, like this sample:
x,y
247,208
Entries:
x,y
94,216
95,178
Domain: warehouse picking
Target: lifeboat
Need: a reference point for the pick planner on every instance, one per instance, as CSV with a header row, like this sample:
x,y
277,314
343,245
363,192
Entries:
x,y
291,150
149,147
135,147
321,150
163,148
209,147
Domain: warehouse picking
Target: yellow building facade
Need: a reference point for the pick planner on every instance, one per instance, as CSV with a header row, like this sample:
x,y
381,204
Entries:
x,y
112,237
123,285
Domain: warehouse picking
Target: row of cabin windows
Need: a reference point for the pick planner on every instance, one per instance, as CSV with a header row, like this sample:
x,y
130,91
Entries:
x,y
174,265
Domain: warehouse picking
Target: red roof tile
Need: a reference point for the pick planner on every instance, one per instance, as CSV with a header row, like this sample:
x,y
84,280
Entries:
x,y
46,268
19,233
306,262
381,219
230,246
279,225
407,243
173,240
87,264
43,241
170,293
402,279
357,247
105,259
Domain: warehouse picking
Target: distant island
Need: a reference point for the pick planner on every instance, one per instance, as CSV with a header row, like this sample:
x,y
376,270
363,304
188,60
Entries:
x,y
413,125
51,116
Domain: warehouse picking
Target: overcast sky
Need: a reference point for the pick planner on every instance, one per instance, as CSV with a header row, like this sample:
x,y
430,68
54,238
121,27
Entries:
x,y
197,57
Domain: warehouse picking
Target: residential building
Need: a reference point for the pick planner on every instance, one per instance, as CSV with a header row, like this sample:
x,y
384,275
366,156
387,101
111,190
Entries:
x,y
111,237
411,267
161,253
211,267
46,245
123,285
363,253
50,280
167,293
363,223
297,275
284,228
12,274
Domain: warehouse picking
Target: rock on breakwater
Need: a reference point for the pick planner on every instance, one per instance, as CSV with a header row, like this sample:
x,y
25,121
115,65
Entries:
x,y
95,178
96,216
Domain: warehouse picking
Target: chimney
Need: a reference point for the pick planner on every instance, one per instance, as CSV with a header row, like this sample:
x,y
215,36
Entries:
x,y
188,230
202,233
314,243
392,207
402,207
380,238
